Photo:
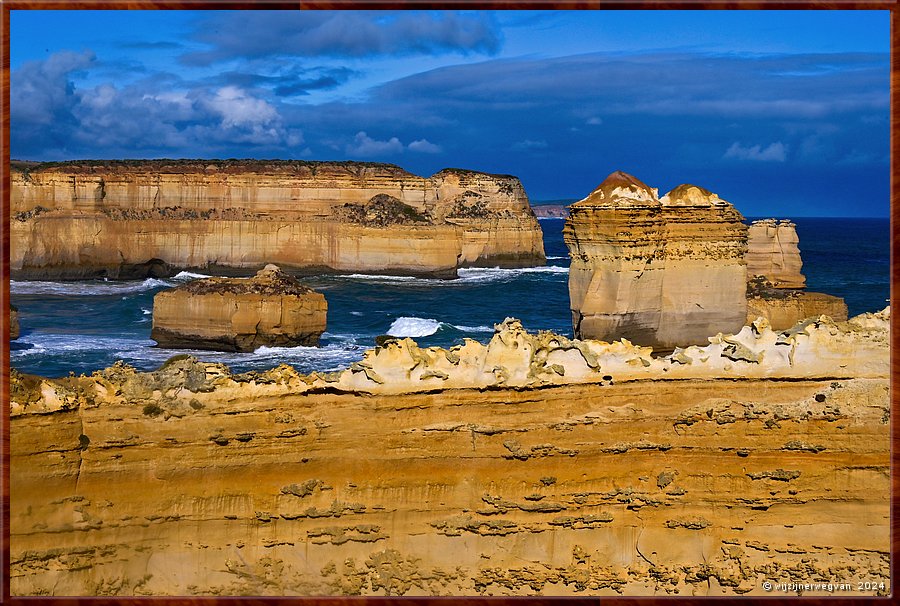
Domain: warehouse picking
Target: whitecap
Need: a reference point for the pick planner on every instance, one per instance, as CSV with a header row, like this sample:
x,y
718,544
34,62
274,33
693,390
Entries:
x,y
91,288
413,327
189,275
473,328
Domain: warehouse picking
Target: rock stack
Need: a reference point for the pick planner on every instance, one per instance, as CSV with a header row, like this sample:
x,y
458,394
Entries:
x,y
13,322
239,314
662,272
775,284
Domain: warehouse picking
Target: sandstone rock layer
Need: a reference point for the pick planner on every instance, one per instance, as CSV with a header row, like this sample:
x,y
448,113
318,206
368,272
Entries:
x,y
138,218
193,481
236,314
784,309
773,253
13,322
661,272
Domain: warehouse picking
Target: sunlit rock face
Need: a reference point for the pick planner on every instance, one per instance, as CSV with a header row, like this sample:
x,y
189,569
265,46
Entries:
x,y
773,253
660,272
142,218
533,464
239,314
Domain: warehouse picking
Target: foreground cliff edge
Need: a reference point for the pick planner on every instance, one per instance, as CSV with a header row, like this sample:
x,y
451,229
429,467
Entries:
x,y
138,218
533,464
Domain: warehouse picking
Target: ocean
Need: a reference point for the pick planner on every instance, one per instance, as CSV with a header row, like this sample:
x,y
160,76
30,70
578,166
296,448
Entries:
x,y
85,326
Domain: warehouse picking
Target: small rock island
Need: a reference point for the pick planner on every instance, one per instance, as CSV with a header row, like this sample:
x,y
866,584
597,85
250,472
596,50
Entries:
x,y
239,314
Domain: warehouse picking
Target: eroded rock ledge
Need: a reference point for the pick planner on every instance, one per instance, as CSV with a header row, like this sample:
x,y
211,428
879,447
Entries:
x,y
538,473
126,219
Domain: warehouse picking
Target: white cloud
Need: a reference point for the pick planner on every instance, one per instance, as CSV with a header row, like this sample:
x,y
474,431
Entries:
x,y
775,152
424,146
364,145
237,108
594,121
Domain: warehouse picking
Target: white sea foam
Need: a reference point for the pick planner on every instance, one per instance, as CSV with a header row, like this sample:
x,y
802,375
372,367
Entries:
x,y
92,288
188,275
413,327
473,328
556,258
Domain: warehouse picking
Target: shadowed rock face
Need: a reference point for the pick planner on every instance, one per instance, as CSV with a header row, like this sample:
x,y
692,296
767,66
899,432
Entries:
x,y
13,322
533,464
234,314
132,219
660,272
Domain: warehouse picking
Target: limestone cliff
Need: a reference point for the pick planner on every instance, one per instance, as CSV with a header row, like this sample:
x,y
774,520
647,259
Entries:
x,y
782,308
138,218
534,464
239,314
662,272
773,253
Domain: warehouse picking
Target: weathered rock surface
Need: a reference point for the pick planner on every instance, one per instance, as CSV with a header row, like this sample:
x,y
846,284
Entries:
x,y
152,218
525,478
773,253
660,272
784,308
13,322
239,314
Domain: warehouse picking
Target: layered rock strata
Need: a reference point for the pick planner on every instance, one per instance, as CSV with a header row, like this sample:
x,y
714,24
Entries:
x,y
239,314
775,284
130,219
773,253
537,465
661,272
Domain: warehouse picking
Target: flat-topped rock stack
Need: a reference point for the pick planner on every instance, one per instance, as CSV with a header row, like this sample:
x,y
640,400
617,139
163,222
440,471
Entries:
x,y
776,285
662,272
238,314
132,219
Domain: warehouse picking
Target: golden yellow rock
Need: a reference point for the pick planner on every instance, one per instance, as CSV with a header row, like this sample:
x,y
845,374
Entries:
x,y
663,272
138,218
193,481
786,308
239,314
773,253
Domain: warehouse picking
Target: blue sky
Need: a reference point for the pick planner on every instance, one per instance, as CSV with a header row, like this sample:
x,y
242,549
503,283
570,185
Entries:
x,y
783,113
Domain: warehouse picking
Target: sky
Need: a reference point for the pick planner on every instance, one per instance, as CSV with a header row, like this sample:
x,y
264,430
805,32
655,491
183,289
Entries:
x,y
783,113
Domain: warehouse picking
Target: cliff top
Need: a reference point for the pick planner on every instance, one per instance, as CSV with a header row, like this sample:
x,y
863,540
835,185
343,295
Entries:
x,y
269,281
691,195
233,166
620,187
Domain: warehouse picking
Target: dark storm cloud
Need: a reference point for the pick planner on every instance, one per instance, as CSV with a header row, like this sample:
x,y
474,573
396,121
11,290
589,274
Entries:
x,y
289,83
342,34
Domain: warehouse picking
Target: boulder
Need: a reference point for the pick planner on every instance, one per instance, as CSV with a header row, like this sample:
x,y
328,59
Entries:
x,y
239,314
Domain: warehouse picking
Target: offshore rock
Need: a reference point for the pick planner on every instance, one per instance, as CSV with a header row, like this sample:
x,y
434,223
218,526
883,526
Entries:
x,y
532,465
129,219
659,272
773,253
237,314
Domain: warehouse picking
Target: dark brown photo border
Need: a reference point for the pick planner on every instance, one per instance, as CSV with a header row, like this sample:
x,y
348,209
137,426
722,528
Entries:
x,y
8,5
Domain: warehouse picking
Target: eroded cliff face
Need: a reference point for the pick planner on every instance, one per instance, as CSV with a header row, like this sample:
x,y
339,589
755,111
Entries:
x,y
139,218
773,253
775,288
661,272
191,480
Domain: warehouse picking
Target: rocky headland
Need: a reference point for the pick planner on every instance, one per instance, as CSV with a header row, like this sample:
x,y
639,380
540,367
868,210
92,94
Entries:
x,y
131,219
534,464
239,314
658,271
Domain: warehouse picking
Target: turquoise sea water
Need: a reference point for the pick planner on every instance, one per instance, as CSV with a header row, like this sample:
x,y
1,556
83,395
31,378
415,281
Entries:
x,y
85,326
